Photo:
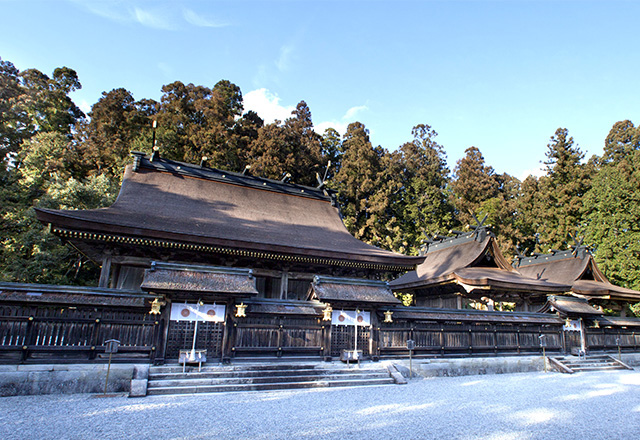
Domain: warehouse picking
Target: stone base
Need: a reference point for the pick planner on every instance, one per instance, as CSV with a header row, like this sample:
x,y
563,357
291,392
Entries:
x,y
20,380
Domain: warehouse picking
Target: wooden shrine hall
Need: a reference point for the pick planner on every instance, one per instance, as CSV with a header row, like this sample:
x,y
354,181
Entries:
x,y
469,271
577,268
262,264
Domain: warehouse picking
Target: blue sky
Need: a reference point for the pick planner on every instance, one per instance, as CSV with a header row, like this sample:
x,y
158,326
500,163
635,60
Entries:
x,y
498,75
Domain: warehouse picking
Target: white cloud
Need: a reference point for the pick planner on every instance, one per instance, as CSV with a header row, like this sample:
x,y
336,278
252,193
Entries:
x,y
85,106
152,19
200,21
165,18
341,125
266,105
537,172
284,60
351,113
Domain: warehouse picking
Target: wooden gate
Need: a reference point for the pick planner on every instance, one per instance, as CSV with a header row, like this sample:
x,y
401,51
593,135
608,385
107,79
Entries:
x,y
180,337
343,338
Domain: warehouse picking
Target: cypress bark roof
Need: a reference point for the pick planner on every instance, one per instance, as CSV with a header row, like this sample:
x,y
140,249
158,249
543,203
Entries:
x,y
76,295
330,289
577,268
472,260
569,305
198,279
164,203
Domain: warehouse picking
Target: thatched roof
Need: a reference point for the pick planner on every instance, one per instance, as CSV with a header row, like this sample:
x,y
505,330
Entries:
x,y
167,277
577,268
72,295
167,204
569,306
472,260
348,290
468,315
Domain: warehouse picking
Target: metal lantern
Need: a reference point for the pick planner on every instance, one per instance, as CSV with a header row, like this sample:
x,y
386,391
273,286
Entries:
x,y
326,313
155,306
241,310
387,316
596,323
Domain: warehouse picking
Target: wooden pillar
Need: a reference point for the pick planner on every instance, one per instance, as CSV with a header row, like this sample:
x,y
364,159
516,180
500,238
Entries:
x,y
115,273
284,284
164,322
105,272
227,335
327,327
374,335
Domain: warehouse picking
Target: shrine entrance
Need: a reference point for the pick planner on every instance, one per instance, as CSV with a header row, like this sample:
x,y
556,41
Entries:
x,y
574,339
196,326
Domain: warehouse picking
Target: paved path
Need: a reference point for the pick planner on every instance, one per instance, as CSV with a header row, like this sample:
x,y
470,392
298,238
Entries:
x,y
584,406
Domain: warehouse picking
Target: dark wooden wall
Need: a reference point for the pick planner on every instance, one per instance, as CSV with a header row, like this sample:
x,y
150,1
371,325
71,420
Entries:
x,y
57,333
44,333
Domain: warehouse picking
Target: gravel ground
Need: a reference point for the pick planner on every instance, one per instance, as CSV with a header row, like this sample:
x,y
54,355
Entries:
x,y
602,405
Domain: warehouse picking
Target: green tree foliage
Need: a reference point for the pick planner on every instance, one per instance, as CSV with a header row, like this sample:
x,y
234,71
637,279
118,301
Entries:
x,y
358,181
45,178
293,148
612,207
196,121
560,192
474,183
31,102
421,202
116,122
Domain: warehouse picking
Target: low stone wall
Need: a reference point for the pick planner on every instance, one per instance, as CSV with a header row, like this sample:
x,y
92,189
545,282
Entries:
x,y
470,366
479,366
631,359
18,380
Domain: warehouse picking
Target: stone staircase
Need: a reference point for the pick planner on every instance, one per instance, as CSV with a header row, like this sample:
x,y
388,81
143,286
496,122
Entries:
x,y
575,364
170,379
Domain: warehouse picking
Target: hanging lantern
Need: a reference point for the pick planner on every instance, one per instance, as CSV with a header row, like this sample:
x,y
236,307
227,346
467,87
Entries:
x,y
155,306
241,310
387,316
326,313
567,322
596,323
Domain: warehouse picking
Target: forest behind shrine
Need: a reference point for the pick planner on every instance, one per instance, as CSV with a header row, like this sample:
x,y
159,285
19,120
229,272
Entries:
x,y
397,197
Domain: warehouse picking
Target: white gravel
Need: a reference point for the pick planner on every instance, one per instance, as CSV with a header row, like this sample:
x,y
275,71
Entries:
x,y
583,406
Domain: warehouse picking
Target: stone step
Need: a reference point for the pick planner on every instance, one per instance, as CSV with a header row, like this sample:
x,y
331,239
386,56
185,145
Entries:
x,y
251,373
597,368
266,380
266,387
190,367
590,363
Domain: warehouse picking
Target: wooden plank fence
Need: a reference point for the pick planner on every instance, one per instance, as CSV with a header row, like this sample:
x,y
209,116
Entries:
x,y
73,332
